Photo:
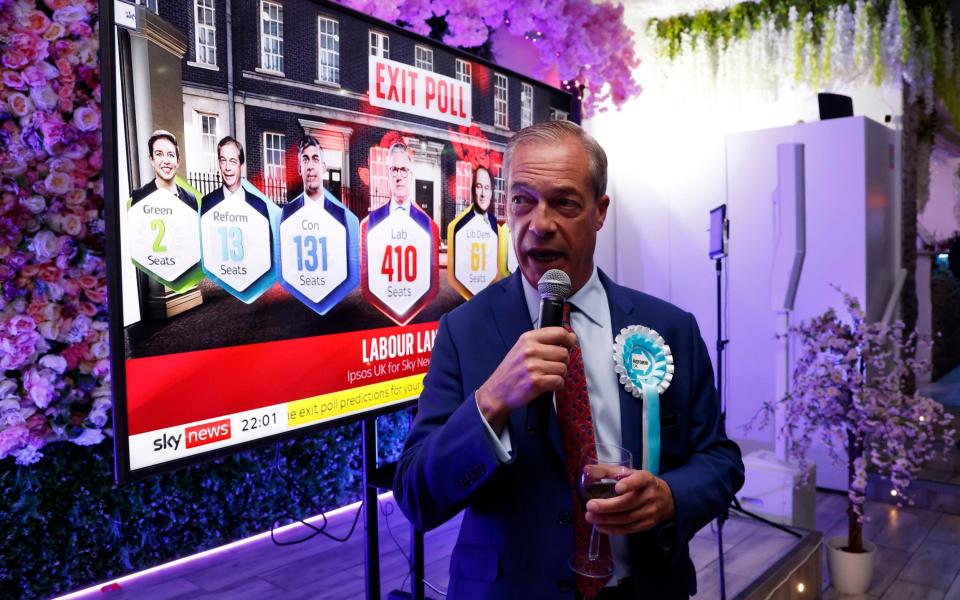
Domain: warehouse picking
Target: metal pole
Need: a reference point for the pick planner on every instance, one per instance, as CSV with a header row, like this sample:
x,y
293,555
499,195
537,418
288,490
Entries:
x,y
416,541
371,541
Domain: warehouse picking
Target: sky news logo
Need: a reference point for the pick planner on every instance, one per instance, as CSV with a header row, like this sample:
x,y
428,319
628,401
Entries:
x,y
207,433
198,435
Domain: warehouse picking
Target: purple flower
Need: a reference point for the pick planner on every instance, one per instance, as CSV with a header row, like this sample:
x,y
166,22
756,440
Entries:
x,y
54,362
70,14
88,437
13,80
19,104
43,97
20,324
86,118
27,455
12,438
39,385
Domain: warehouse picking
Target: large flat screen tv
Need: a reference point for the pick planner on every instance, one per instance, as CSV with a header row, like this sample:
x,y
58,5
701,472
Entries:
x,y
299,193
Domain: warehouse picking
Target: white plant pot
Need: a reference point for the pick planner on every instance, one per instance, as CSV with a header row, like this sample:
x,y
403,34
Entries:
x,y
850,573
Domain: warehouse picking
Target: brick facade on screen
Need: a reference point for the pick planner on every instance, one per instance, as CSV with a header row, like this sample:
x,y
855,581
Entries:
x,y
282,102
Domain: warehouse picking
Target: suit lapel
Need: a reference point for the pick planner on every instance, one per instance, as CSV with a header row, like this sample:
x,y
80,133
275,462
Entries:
x,y
631,409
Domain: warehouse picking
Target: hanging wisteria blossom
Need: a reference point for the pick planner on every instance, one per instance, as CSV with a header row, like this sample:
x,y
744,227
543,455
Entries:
x,y
819,46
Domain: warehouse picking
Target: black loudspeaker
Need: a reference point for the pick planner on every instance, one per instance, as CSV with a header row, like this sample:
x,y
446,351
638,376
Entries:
x,y
834,106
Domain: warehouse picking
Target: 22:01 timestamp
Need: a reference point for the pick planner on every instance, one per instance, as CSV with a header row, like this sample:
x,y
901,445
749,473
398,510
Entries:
x,y
258,422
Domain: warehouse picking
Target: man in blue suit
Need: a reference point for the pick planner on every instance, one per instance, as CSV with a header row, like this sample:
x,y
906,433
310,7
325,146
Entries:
x,y
470,447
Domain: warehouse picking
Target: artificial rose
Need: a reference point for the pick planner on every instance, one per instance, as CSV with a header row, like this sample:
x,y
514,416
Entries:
x,y
54,362
8,389
54,32
100,349
78,329
45,245
19,324
72,225
12,438
57,4
35,204
38,21
58,183
86,118
43,97
39,74
75,198
88,437
39,385
80,30
15,58
14,80
70,14
20,105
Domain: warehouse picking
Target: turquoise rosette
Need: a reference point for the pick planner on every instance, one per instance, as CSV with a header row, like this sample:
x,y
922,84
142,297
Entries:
x,y
644,365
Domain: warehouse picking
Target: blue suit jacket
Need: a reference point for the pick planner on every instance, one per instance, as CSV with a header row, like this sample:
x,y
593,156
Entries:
x,y
516,534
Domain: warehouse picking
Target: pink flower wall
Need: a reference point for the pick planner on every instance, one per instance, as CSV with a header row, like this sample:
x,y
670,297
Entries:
x,y
54,350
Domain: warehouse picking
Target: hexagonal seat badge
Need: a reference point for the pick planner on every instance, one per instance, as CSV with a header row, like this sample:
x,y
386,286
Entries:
x,y
318,251
473,252
400,261
164,234
507,255
236,240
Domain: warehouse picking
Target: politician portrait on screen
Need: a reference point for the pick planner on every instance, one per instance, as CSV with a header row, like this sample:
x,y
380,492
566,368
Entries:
x,y
400,250
319,237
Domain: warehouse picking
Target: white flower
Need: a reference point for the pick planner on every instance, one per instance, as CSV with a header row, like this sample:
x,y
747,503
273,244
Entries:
x,y
88,437
55,362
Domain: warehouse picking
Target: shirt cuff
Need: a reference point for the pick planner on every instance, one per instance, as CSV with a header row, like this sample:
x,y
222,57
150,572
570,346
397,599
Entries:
x,y
501,445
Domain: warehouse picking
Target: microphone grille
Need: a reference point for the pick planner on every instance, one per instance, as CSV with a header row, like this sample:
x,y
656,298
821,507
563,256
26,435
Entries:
x,y
554,284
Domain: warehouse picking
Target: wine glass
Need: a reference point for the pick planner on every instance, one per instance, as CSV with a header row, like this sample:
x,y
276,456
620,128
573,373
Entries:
x,y
603,465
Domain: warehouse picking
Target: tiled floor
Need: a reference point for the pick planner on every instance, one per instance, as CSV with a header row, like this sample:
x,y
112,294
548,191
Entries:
x,y
918,551
321,568
918,558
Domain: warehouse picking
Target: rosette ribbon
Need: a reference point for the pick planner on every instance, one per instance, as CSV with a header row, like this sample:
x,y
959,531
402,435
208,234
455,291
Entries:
x,y
644,365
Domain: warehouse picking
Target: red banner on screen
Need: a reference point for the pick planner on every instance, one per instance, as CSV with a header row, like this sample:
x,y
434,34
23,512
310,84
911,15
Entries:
x,y
169,390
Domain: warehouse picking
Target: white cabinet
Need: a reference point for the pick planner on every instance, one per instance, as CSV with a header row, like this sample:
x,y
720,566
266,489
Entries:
x,y
852,223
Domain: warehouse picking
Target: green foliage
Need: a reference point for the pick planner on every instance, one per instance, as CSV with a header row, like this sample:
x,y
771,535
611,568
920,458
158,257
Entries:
x,y
924,26
66,525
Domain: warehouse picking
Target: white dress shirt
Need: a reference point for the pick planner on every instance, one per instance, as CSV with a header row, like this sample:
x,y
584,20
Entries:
x,y
228,194
402,208
318,200
590,320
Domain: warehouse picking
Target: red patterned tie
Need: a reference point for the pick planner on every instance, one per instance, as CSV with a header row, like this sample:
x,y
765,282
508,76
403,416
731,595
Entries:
x,y
576,429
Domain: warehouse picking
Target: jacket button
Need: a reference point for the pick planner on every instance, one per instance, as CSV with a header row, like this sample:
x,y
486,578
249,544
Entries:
x,y
563,519
565,585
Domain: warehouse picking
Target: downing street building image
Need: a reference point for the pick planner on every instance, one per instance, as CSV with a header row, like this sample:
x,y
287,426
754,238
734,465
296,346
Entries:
x,y
269,72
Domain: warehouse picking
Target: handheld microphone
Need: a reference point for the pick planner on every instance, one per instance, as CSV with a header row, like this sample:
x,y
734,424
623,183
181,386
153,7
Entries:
x,y
554,288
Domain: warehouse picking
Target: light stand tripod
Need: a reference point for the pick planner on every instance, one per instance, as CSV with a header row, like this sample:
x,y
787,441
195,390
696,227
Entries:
x,y
718,255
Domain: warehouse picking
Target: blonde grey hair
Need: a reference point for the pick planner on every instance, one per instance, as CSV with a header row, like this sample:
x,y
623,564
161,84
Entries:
x,y
552,132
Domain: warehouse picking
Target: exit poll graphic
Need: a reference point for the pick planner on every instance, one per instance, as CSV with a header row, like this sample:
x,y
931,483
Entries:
x,y
507,254
319,246
399,261
236,239
398,86
473,252
164,240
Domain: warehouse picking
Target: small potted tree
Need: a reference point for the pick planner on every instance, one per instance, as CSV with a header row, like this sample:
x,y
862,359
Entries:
x,y
849,392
